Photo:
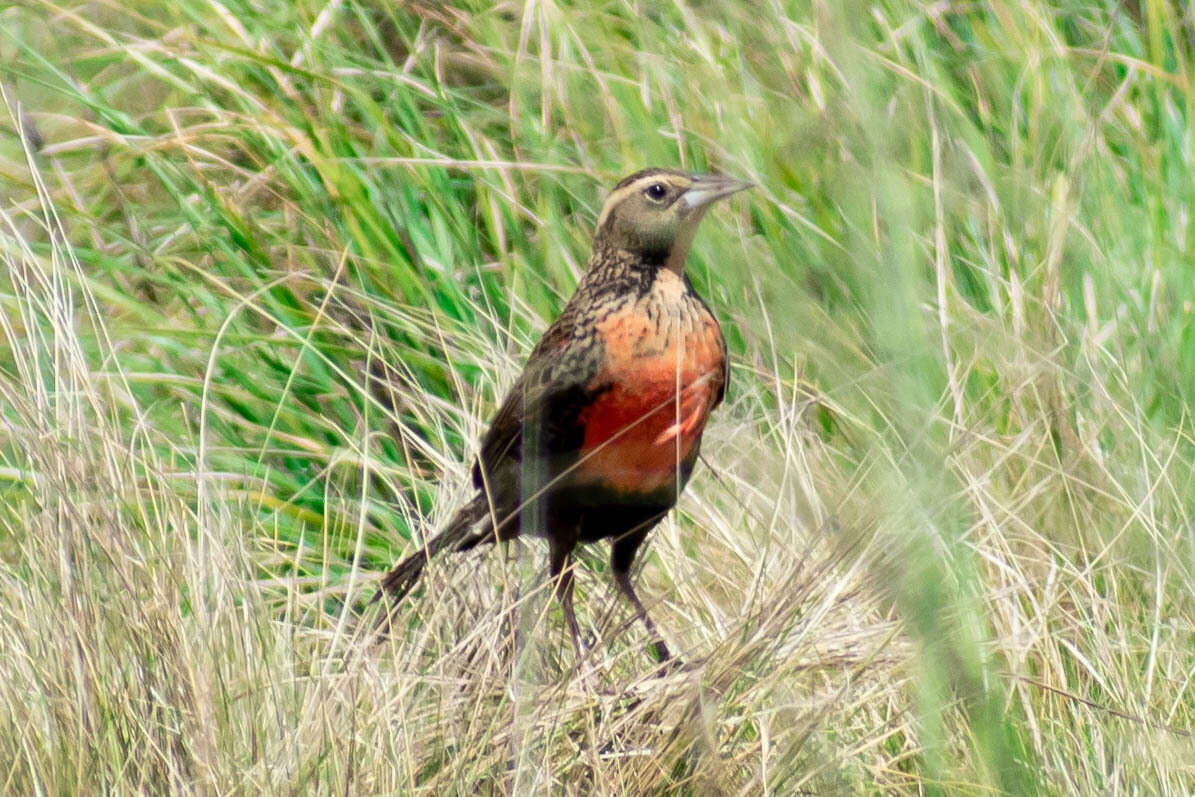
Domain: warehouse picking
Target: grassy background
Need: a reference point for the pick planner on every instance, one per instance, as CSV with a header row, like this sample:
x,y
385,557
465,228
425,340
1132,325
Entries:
x,y
268,270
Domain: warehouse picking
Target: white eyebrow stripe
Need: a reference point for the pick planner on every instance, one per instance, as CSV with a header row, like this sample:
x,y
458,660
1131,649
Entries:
x,y
620,194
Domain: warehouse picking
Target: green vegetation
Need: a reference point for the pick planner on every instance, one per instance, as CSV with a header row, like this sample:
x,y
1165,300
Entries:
x,y
268,268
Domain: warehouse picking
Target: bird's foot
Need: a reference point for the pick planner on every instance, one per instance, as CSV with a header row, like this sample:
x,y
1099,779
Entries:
x,y
667,663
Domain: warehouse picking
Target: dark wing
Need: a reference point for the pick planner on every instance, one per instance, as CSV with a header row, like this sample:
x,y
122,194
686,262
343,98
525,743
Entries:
x,y
553,390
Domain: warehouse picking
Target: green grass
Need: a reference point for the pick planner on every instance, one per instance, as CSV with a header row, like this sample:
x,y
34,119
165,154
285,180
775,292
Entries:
x,y
267,274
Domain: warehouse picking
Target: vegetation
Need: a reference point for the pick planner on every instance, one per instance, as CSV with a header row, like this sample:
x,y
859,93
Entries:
x,y
268,270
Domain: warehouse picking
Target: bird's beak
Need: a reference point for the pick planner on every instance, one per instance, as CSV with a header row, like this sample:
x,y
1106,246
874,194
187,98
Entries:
x,y
709,188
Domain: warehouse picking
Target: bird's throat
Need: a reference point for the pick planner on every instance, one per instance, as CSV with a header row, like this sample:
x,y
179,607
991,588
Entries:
x,y
679,252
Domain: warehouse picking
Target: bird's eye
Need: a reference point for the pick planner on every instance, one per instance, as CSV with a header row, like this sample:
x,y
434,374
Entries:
x,y
656,191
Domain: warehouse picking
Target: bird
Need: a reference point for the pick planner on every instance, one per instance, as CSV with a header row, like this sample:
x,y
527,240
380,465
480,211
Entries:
x,y
600,433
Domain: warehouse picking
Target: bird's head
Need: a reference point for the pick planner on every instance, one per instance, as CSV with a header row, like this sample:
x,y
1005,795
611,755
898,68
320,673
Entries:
x,y
654,213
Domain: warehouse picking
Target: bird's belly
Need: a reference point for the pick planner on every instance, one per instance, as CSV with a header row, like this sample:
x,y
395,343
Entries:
x,y
637,436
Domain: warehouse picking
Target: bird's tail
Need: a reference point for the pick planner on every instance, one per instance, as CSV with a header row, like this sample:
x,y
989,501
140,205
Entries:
x,y
403,576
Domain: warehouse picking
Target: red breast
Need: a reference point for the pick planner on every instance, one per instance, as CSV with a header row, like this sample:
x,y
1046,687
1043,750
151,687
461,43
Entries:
x,y
662,372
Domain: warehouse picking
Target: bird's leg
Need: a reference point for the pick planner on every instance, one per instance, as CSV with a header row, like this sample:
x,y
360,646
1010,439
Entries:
x,y
622,553
561,570
623,579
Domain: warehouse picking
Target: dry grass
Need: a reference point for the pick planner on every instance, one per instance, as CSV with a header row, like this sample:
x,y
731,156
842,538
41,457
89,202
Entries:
x,y
267,276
